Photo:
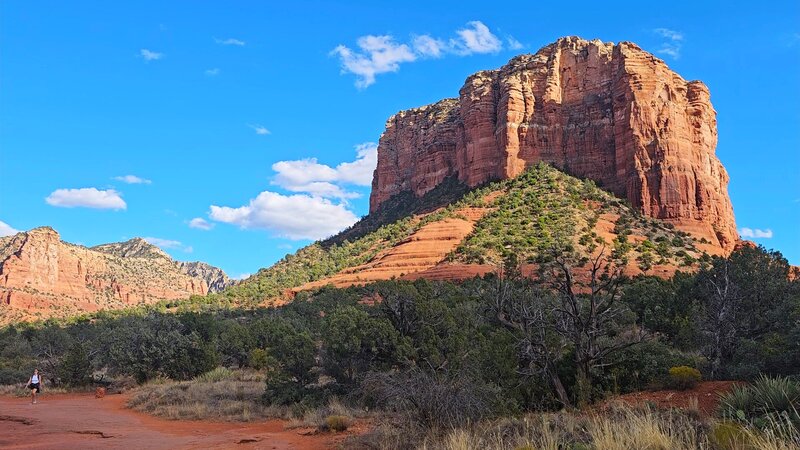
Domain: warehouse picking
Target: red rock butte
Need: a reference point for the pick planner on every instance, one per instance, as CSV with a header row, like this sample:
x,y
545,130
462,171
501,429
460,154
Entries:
x,y
42,276
609,112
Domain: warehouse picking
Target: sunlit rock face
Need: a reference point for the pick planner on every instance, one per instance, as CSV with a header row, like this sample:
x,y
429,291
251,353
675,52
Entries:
x,y
609,112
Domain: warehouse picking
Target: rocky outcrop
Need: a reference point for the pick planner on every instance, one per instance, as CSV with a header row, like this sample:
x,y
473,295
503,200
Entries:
x,y
215,278
609,112
133,248
42,276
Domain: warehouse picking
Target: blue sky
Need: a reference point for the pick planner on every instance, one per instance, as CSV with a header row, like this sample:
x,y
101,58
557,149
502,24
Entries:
x,y
246,126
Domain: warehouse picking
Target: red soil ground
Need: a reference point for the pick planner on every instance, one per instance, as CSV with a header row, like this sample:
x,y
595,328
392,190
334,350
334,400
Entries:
x,y
71,421
707,394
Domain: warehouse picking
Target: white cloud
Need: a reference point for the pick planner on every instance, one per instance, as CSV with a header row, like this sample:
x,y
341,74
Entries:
x,y
168,244
673,44
476,38
672,35
86,197
308,175
260,130
291,216
317,208
6,230
230,41
429,46
672,51
149,55
359,172
212,72
242,276
383,54
200,224
755,233
132,179
514,44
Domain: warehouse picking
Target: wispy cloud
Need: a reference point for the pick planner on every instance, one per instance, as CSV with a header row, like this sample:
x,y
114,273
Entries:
x,y
212,72
169,244
378,54
476,38
6,229
672,44
755,233
86,198
791,39
230,41
132,179
669,34
260,130
150,55
428,46
514,44
200,224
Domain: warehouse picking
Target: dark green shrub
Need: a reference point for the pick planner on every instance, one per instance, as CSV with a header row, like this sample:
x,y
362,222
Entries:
x,y
75,368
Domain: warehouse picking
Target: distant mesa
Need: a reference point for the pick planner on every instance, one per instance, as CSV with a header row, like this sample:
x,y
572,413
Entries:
x,y
42,276
609,112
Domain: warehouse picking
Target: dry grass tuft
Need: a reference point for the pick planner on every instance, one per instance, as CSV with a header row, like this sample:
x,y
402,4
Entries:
x,y
618,428
221,394
318,417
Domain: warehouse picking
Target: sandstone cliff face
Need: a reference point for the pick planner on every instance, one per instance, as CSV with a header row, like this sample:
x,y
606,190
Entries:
x,y
42,276
612,113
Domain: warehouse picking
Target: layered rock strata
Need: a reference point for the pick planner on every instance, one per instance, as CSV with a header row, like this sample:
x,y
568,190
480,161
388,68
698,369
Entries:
x,y
42,276
609,112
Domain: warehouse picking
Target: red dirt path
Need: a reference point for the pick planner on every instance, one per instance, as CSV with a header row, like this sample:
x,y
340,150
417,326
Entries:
x,y
80,421
706,392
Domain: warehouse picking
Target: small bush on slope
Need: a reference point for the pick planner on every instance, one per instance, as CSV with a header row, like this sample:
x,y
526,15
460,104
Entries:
x,y
683,377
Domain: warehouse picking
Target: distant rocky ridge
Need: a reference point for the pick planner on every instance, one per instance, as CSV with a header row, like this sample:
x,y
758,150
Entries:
x,y
215,278
42,276
609,112
133,248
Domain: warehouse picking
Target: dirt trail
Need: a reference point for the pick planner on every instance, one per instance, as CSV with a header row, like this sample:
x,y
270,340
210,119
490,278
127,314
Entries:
x,y
705,396
81,421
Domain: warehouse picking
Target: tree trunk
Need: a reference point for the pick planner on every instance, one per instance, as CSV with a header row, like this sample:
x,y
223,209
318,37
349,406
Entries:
x,y
583,385
559,388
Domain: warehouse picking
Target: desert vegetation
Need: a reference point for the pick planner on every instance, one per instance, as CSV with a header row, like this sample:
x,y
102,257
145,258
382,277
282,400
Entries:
x,y
486,360
541,212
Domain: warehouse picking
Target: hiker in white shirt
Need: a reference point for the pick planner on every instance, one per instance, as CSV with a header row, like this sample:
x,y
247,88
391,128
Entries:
x,y
35,384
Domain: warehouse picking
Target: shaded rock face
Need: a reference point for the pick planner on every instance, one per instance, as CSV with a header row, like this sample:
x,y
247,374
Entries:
x,y
42,276
612,113
215,278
